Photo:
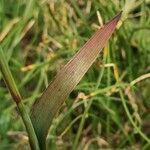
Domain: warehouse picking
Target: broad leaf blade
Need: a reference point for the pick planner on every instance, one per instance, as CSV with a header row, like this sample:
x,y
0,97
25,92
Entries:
x,y
45,108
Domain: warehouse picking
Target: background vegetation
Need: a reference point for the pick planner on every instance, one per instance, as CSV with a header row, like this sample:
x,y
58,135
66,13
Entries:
x,y
39,37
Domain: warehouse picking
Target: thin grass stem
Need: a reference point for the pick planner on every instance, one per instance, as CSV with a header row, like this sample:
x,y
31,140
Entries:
x,y
9,80
75,144
131,120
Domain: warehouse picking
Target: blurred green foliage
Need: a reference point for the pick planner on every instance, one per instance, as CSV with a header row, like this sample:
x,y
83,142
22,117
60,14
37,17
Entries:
x,y
39,37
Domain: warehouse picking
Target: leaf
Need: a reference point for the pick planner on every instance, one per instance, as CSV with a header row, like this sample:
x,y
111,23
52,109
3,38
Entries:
x,y
46,107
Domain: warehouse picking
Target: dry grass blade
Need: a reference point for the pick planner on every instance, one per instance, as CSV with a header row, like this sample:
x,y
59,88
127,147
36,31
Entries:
x,y
45,108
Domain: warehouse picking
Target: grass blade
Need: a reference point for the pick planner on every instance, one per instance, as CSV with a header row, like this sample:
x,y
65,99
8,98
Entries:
x,y
45,108
10,82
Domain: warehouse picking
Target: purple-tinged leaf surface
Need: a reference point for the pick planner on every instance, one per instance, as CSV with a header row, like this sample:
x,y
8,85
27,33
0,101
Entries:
x,y
46,107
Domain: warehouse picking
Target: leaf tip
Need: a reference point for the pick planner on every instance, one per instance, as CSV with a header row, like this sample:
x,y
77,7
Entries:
x,y
118,17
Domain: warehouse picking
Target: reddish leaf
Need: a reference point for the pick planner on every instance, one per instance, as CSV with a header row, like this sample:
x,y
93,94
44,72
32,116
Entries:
x,y
46,107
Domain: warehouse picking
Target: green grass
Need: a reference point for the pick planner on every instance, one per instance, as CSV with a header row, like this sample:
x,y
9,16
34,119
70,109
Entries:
x,y
42,36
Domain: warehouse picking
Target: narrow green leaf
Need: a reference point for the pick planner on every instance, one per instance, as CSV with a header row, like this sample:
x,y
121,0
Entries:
x,y
46,107
9,80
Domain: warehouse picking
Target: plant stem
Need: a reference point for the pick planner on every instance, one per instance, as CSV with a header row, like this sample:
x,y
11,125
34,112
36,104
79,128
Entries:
x,y
131,120
75,144
8,78
29,127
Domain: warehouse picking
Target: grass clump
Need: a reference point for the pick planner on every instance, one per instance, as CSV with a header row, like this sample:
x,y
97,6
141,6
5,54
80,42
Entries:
x,y
110,107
